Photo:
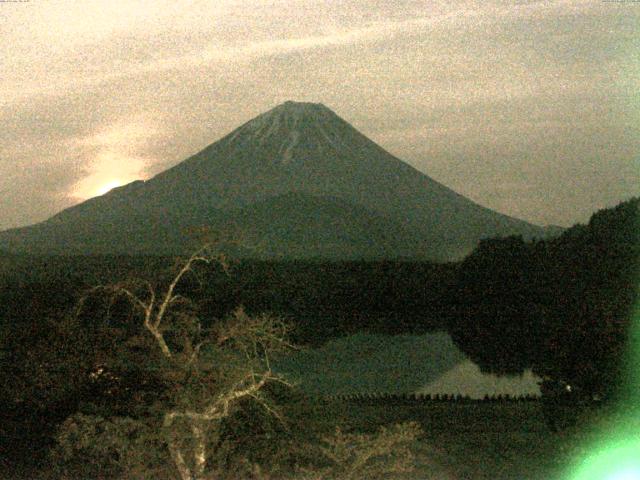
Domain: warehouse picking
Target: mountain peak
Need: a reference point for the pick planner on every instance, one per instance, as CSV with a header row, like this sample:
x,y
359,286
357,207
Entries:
x,y
381,203
293,106
283,129
294,112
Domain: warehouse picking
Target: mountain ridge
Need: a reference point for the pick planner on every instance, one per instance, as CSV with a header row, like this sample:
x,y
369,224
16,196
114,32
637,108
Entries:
x,y
295,147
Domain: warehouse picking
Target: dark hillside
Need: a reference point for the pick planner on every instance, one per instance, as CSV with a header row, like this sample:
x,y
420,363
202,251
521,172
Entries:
x,y
562,306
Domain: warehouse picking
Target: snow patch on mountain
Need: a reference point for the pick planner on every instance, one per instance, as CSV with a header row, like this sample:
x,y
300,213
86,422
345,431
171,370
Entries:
x,y
287,154
289,116
284,127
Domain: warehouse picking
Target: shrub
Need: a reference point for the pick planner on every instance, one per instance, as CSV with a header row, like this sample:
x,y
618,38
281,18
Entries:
x,y
350,456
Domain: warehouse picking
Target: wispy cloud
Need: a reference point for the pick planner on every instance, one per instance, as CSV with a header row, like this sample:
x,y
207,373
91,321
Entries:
x,y
89,46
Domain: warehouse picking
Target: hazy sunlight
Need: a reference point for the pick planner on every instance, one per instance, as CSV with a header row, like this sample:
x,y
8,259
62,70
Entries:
x,y
108,186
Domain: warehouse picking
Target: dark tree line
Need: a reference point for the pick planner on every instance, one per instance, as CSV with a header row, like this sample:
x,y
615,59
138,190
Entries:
x,y
562,306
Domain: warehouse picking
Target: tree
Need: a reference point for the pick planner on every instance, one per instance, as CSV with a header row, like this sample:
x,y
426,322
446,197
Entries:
x,y
353,456
561,307
169,393
206,372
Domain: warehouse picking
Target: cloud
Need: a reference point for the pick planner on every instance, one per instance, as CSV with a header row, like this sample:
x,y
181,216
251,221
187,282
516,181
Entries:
x,y
117,159
85,46
56,151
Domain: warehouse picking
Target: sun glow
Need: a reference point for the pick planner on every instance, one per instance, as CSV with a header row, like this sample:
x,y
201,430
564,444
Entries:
x,y
107,187
108,172
115,158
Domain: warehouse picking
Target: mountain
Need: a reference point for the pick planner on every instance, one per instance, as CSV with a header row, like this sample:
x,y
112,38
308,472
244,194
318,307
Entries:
x,y
296,225
296,181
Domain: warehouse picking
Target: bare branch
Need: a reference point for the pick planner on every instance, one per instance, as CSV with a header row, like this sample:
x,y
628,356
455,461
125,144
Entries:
x,y
246,341
196,352
258,398
146,307
200,453
169,297
177,299
181,465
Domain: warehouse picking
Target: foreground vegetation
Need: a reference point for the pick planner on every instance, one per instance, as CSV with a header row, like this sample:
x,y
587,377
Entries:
x,y
491,440
484,440
157,393
147,367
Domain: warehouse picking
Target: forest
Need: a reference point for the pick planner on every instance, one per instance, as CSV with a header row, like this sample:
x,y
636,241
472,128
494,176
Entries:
x,y
90,361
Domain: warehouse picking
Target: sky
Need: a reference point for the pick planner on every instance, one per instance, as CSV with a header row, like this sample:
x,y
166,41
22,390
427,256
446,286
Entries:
x,y
531,108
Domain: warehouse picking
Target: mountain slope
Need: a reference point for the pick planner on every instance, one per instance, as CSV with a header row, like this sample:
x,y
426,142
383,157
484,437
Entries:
x,y
297,225
295,148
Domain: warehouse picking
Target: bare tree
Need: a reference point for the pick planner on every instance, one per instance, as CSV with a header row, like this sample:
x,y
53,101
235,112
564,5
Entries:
x,y
211,370
353,456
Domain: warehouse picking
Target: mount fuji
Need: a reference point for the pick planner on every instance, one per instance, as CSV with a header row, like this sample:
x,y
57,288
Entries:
x,y
295,182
